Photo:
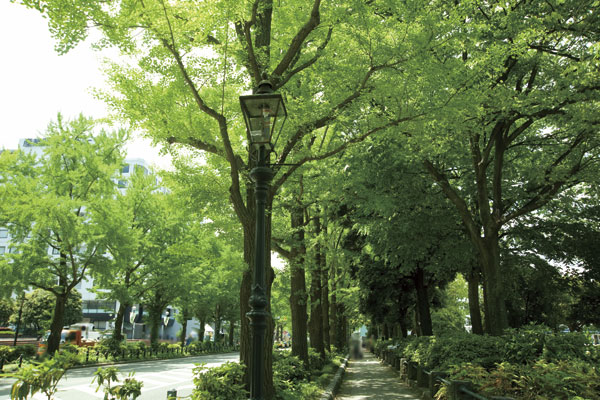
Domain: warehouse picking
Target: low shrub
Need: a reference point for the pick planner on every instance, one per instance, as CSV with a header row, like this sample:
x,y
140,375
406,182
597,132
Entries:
x,y
219,383
539,380
288,368
12,353
461,348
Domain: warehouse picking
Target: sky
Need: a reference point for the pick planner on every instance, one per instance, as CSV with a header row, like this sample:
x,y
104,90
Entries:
x,y
36,83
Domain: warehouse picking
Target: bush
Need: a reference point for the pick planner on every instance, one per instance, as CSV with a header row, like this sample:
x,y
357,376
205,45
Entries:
x,y
111,346
525,344
220,383
10,353
288,368
566,346
460,349
315,362
540,380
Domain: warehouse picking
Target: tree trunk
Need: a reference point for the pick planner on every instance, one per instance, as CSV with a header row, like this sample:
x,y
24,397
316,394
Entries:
x,y
333,309
325,302
496,316
118,331
57,323
218,323
474,308
298,295
201,330
386,333
184,324
316,309
155,323
423,303
231,332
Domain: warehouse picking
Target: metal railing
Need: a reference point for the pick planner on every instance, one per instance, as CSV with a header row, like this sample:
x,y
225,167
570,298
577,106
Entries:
x,y
95,356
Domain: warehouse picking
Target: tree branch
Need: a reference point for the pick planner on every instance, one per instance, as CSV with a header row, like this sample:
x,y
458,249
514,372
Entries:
x,y
294,47
305,65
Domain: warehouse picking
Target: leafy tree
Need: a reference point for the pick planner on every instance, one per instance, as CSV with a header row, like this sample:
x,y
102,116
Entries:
x,y
136,222
37,310
6,310
50,207
182,97
522,127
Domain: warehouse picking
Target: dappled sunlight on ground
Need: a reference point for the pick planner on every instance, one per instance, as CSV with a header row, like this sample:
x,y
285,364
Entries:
x,y
368,379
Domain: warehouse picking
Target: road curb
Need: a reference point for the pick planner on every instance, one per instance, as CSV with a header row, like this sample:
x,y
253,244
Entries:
x,y
335,383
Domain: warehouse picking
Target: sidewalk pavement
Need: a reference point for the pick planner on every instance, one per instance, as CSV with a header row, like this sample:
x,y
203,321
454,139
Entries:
x,y
368,379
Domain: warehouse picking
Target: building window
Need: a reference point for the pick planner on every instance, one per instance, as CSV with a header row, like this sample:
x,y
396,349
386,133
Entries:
x,y
98,306
3,233
122,184
2,249
125,169
55,251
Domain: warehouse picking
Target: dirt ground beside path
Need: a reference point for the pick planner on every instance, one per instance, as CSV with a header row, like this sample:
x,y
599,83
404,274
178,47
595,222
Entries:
x,y
368,379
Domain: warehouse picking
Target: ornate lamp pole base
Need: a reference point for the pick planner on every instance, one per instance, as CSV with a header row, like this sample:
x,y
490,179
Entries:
x,y
261,175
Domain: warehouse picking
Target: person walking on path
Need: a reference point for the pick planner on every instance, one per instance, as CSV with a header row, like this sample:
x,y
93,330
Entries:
x,y
368,379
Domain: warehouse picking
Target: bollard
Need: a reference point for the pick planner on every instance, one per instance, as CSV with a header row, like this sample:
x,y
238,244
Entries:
x,y
87,356
172,394
20,360
422,379
412,371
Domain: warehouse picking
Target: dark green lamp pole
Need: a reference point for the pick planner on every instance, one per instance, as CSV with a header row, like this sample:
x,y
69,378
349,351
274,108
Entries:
x,y
262,111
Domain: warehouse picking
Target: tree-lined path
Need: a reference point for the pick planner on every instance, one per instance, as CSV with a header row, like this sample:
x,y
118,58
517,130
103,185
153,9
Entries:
x,y
368,379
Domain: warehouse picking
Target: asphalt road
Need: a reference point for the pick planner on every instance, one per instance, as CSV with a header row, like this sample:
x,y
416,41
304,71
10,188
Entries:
x,y
158,377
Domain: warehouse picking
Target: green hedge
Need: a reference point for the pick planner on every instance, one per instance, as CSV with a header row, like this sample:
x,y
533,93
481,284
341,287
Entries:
x,y
523,364
12,353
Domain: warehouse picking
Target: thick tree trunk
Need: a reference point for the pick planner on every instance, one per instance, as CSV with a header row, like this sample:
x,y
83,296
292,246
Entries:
x,y
155,323
496,316
316,309
474,308
298,295
57,323
118,331
423,303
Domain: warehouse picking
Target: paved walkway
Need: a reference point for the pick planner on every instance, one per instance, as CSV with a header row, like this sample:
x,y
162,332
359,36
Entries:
x,y
369,379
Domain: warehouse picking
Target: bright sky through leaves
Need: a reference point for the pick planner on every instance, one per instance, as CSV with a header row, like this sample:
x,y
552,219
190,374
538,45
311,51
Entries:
x,y
36,83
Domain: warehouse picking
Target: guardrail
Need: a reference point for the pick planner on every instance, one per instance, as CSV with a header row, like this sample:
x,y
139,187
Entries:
x,y
419,377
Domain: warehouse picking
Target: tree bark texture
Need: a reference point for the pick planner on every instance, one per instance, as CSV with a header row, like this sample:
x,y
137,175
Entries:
x,y
423,303
118,331
316,309
57,323
474,308
298,295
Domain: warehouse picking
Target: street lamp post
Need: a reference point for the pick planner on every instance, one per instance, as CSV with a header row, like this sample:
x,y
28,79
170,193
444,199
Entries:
x,y
262,111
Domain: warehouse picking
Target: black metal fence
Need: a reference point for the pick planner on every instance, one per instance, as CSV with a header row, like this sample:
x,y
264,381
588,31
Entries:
x,y
92,356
